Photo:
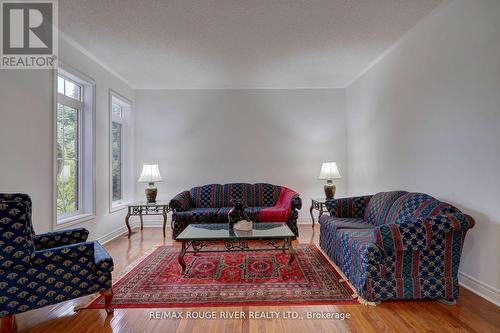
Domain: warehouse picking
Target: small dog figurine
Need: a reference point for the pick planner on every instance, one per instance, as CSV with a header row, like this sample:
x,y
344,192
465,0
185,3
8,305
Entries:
x,y
238,216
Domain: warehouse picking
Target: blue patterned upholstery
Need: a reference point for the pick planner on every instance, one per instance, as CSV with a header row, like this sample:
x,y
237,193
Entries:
x,y
348,207
211,203
196,215
265,195
38,270
379,206
241,191
407,246
181,202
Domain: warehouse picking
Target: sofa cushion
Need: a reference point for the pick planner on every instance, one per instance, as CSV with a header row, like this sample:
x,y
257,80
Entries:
x,y
274,214
417,205
241,191
208,196
253,213
196,215
222,214
379,206
265,195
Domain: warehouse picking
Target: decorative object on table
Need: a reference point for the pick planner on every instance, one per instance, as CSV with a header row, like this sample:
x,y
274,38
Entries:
x,y
263,279
150,174
396,245
237,218
45,269
329,171
144,208
318,204
211,204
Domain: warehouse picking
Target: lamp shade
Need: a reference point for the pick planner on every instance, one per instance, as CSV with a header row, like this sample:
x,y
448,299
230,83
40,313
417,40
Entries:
x,y
329,170
150,174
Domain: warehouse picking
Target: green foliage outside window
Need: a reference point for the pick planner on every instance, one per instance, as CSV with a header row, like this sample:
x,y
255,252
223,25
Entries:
x,y
67,160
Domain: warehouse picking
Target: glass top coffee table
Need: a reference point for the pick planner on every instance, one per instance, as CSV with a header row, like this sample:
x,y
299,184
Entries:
x,y
197,238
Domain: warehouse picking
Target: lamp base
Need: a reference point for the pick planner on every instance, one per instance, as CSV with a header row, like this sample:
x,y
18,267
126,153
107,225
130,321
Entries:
x,y
151,192
330,189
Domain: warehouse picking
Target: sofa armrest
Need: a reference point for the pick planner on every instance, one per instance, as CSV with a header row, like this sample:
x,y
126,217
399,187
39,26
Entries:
x,y
420,234
296,203
59,238
181,202
353,207
74,255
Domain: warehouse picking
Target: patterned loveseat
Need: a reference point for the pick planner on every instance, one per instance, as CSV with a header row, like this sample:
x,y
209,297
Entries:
x,y
211,203
44,269
396,245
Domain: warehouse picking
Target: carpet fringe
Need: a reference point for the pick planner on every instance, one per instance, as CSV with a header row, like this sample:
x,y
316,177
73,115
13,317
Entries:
x,y
118,277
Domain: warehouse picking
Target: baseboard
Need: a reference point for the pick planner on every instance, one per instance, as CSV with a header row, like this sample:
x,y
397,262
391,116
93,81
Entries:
x,y
112,235
304,220
479,288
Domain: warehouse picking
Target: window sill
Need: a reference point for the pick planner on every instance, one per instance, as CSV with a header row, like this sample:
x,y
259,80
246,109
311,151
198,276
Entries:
x,y
119,206
63,223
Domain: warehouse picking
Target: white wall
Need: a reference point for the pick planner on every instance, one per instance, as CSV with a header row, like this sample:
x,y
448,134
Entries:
x,y
26,144
426,118
106,224
26,122
219,136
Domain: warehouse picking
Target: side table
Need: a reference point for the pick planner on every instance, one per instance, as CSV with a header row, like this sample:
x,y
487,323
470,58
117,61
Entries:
x,y
319,205
144,208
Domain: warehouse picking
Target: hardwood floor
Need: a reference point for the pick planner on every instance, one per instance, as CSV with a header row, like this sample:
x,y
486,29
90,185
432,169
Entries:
x,y
470,314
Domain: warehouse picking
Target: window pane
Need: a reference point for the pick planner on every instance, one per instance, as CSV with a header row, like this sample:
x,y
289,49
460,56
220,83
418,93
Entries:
x,y
60,131
67,132
116,110
72,90
116,160
60,85
67,188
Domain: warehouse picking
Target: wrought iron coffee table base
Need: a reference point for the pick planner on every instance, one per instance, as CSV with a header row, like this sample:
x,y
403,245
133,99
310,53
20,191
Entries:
x,y
236,245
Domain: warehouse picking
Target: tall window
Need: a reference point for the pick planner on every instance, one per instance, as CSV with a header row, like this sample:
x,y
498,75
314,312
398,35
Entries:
x,y
119,110
73,147
69,109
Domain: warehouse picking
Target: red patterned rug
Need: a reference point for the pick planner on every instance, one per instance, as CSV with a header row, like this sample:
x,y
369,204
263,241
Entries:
x,y
230,279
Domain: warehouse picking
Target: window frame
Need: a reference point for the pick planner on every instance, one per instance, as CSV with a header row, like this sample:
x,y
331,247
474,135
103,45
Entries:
x,y
79,106
86,145
116,98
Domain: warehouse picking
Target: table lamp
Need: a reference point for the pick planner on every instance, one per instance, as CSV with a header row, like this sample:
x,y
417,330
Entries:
x,y
329,171
150,174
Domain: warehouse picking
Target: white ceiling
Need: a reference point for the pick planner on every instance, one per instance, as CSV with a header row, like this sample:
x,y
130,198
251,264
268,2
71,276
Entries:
x,y
209,44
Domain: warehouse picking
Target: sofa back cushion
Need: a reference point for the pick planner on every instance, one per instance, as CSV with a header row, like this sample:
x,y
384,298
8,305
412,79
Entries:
x,y
379,206
417,205
207,196
241,191
265,195
252,195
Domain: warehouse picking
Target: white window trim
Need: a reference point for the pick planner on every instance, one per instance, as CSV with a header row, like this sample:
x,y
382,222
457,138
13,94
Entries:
x,y
89,103
79,106
126,104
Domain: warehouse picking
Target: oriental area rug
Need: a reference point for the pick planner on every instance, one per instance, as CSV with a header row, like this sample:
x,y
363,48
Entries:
x,y
230,279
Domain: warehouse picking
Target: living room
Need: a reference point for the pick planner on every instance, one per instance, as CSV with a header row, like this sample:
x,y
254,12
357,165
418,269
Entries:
x,y
250,165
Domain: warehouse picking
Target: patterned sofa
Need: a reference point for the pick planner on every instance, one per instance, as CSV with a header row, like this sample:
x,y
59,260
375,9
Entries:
x,y
396,245
44,269
211,203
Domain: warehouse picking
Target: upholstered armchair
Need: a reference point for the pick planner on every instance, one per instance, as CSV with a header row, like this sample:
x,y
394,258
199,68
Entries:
x,y
39,270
